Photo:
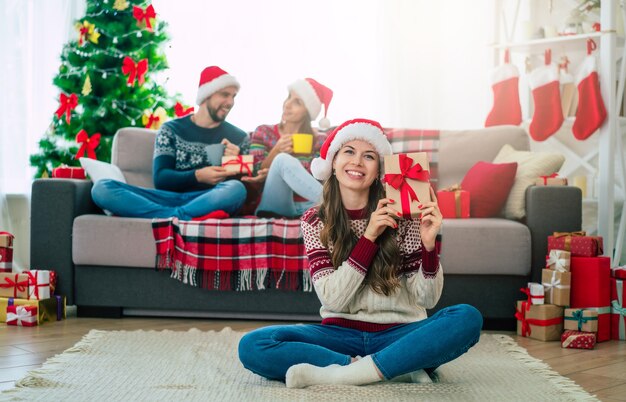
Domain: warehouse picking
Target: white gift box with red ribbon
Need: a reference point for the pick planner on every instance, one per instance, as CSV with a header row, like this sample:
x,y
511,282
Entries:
x,y
38,284
24,316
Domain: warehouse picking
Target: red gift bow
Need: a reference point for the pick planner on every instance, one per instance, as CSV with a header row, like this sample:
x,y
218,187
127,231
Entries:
x,y
22,315
135,70
32,281
88,143
140,14
152,119
520,315
399,181
180,110
21,286
68,103
239,161
545,178
83,31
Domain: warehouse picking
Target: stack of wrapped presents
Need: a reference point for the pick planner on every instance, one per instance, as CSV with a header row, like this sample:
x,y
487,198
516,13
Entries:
x,y
27,298
580,298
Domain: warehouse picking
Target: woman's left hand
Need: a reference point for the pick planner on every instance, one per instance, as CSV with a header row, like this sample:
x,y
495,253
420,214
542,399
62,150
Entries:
x,y
430,221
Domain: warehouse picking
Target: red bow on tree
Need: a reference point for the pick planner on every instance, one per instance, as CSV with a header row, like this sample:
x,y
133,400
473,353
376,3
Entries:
x,y
140,14
399,181
67,104
180,110
135,70
151,120
89,144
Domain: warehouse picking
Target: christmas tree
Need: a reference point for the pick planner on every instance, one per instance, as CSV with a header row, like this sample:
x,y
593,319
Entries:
x,y
106,82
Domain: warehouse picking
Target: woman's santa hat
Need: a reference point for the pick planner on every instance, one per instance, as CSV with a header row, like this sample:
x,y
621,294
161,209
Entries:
x,y
357,129
212,79
314,95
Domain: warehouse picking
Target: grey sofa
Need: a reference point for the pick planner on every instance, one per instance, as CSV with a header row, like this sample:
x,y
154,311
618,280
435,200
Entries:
x,y
106,264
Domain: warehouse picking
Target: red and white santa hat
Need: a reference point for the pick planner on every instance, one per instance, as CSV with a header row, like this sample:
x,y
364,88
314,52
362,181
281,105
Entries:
x,y
212,79
314,95
356,129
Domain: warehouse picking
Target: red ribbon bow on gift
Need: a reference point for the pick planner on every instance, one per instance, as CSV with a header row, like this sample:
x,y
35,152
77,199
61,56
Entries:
x,y
545,178
14,284
67,104
180,110
520,315
242,165
33,282
133,70
528,301
140,14
399,181
89,144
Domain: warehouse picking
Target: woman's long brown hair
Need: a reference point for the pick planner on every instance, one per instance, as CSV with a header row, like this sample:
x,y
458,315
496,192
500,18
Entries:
x,y
381,276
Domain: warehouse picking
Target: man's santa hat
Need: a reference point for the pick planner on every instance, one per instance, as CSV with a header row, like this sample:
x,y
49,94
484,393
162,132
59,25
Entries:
x,y
212,79
314,95
357,129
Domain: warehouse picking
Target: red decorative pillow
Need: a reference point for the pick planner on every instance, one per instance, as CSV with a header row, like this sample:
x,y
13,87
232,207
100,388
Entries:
x,y
489,185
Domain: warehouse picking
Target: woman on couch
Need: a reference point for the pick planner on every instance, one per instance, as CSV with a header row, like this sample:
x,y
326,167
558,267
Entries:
x,y
375,276
289,187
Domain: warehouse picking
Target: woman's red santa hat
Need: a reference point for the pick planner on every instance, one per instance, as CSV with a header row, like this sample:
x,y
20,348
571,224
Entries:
x,y
314,95
212,79
356,129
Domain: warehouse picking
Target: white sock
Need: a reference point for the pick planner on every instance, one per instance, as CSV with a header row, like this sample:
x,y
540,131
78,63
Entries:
x,y
416,377
360,372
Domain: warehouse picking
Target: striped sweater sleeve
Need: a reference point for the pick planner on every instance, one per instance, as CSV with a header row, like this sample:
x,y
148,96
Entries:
x,y
335,287
261,142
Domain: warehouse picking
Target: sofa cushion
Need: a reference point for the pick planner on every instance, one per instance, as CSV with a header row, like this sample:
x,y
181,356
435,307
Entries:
x,y
113,241
530,165
485,246
489,185
132,152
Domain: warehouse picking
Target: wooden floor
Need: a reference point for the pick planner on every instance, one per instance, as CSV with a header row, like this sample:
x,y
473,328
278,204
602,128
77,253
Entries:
x,y
601,371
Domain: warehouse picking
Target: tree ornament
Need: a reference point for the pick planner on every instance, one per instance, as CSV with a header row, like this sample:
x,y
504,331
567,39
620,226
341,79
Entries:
x,y
132,122
67,104
139,34
87,31
120,5
505,85
104,75
133,70
147,15
86,87
88,144
154,120
115,40
180,110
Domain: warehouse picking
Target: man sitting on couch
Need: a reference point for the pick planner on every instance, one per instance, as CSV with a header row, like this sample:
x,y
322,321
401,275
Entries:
x,y
188,178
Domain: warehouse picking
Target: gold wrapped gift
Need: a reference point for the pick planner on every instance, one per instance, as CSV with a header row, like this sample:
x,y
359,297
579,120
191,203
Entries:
x,y
52,309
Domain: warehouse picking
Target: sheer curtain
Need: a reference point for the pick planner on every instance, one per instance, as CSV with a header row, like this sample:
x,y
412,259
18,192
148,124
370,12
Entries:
x,y
407,63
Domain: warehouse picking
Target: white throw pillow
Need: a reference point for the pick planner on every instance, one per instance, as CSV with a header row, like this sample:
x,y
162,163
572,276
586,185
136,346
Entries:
x,y
530,165
98,170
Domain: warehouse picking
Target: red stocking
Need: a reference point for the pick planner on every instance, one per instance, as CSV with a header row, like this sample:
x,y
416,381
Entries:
x,y
591,112
506,107
548,115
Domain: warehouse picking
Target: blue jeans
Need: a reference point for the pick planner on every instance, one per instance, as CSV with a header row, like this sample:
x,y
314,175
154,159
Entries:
x,y
123,199
286,177
425,344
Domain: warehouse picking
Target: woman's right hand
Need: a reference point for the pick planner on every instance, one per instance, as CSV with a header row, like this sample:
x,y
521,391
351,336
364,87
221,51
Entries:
x,y
381,219
284,144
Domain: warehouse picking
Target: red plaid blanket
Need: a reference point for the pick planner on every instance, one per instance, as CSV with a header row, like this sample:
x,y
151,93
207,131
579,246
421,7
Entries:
x,y
233,254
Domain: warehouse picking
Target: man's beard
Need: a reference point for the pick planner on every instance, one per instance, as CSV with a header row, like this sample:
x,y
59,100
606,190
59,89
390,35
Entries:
x,y
214,115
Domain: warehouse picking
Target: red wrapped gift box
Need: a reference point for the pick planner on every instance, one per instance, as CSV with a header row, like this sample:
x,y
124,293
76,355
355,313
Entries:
x,y
576,243
6,252
618,311
454,202
619,272
23,316
578,340
68,172
591,289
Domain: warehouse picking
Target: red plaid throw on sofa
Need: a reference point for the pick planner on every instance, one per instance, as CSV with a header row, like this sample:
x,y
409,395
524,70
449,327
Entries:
x,y
233,254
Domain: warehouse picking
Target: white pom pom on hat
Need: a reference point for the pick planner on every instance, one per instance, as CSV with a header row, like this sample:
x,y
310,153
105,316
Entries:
x,y
356,129
314,95
212,79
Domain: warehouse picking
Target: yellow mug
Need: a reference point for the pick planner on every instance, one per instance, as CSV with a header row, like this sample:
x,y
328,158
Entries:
x,y
302,143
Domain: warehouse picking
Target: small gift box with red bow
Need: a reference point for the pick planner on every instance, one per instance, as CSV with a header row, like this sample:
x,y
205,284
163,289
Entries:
x,y
454,202
571,339
52,309
23,316
557,286
38,284
577,243
558,260
542,322
6,252
242,164
551,180
13,285
580,319
535,293
68,172
407,182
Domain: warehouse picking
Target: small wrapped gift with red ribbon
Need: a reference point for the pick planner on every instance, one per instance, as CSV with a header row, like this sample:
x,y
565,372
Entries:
x,y
6,252
577,243
13,285
407,182
52,309
534,292
38,284
542,322
558,260
454,202
551,180
571,339
68,172
557,286
23,316
242,164
580,319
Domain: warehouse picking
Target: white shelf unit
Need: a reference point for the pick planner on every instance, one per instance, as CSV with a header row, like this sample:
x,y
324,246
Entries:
x,y
610,149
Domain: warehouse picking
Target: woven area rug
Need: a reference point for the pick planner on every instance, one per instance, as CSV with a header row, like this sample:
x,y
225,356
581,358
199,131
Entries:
x,y
203,366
